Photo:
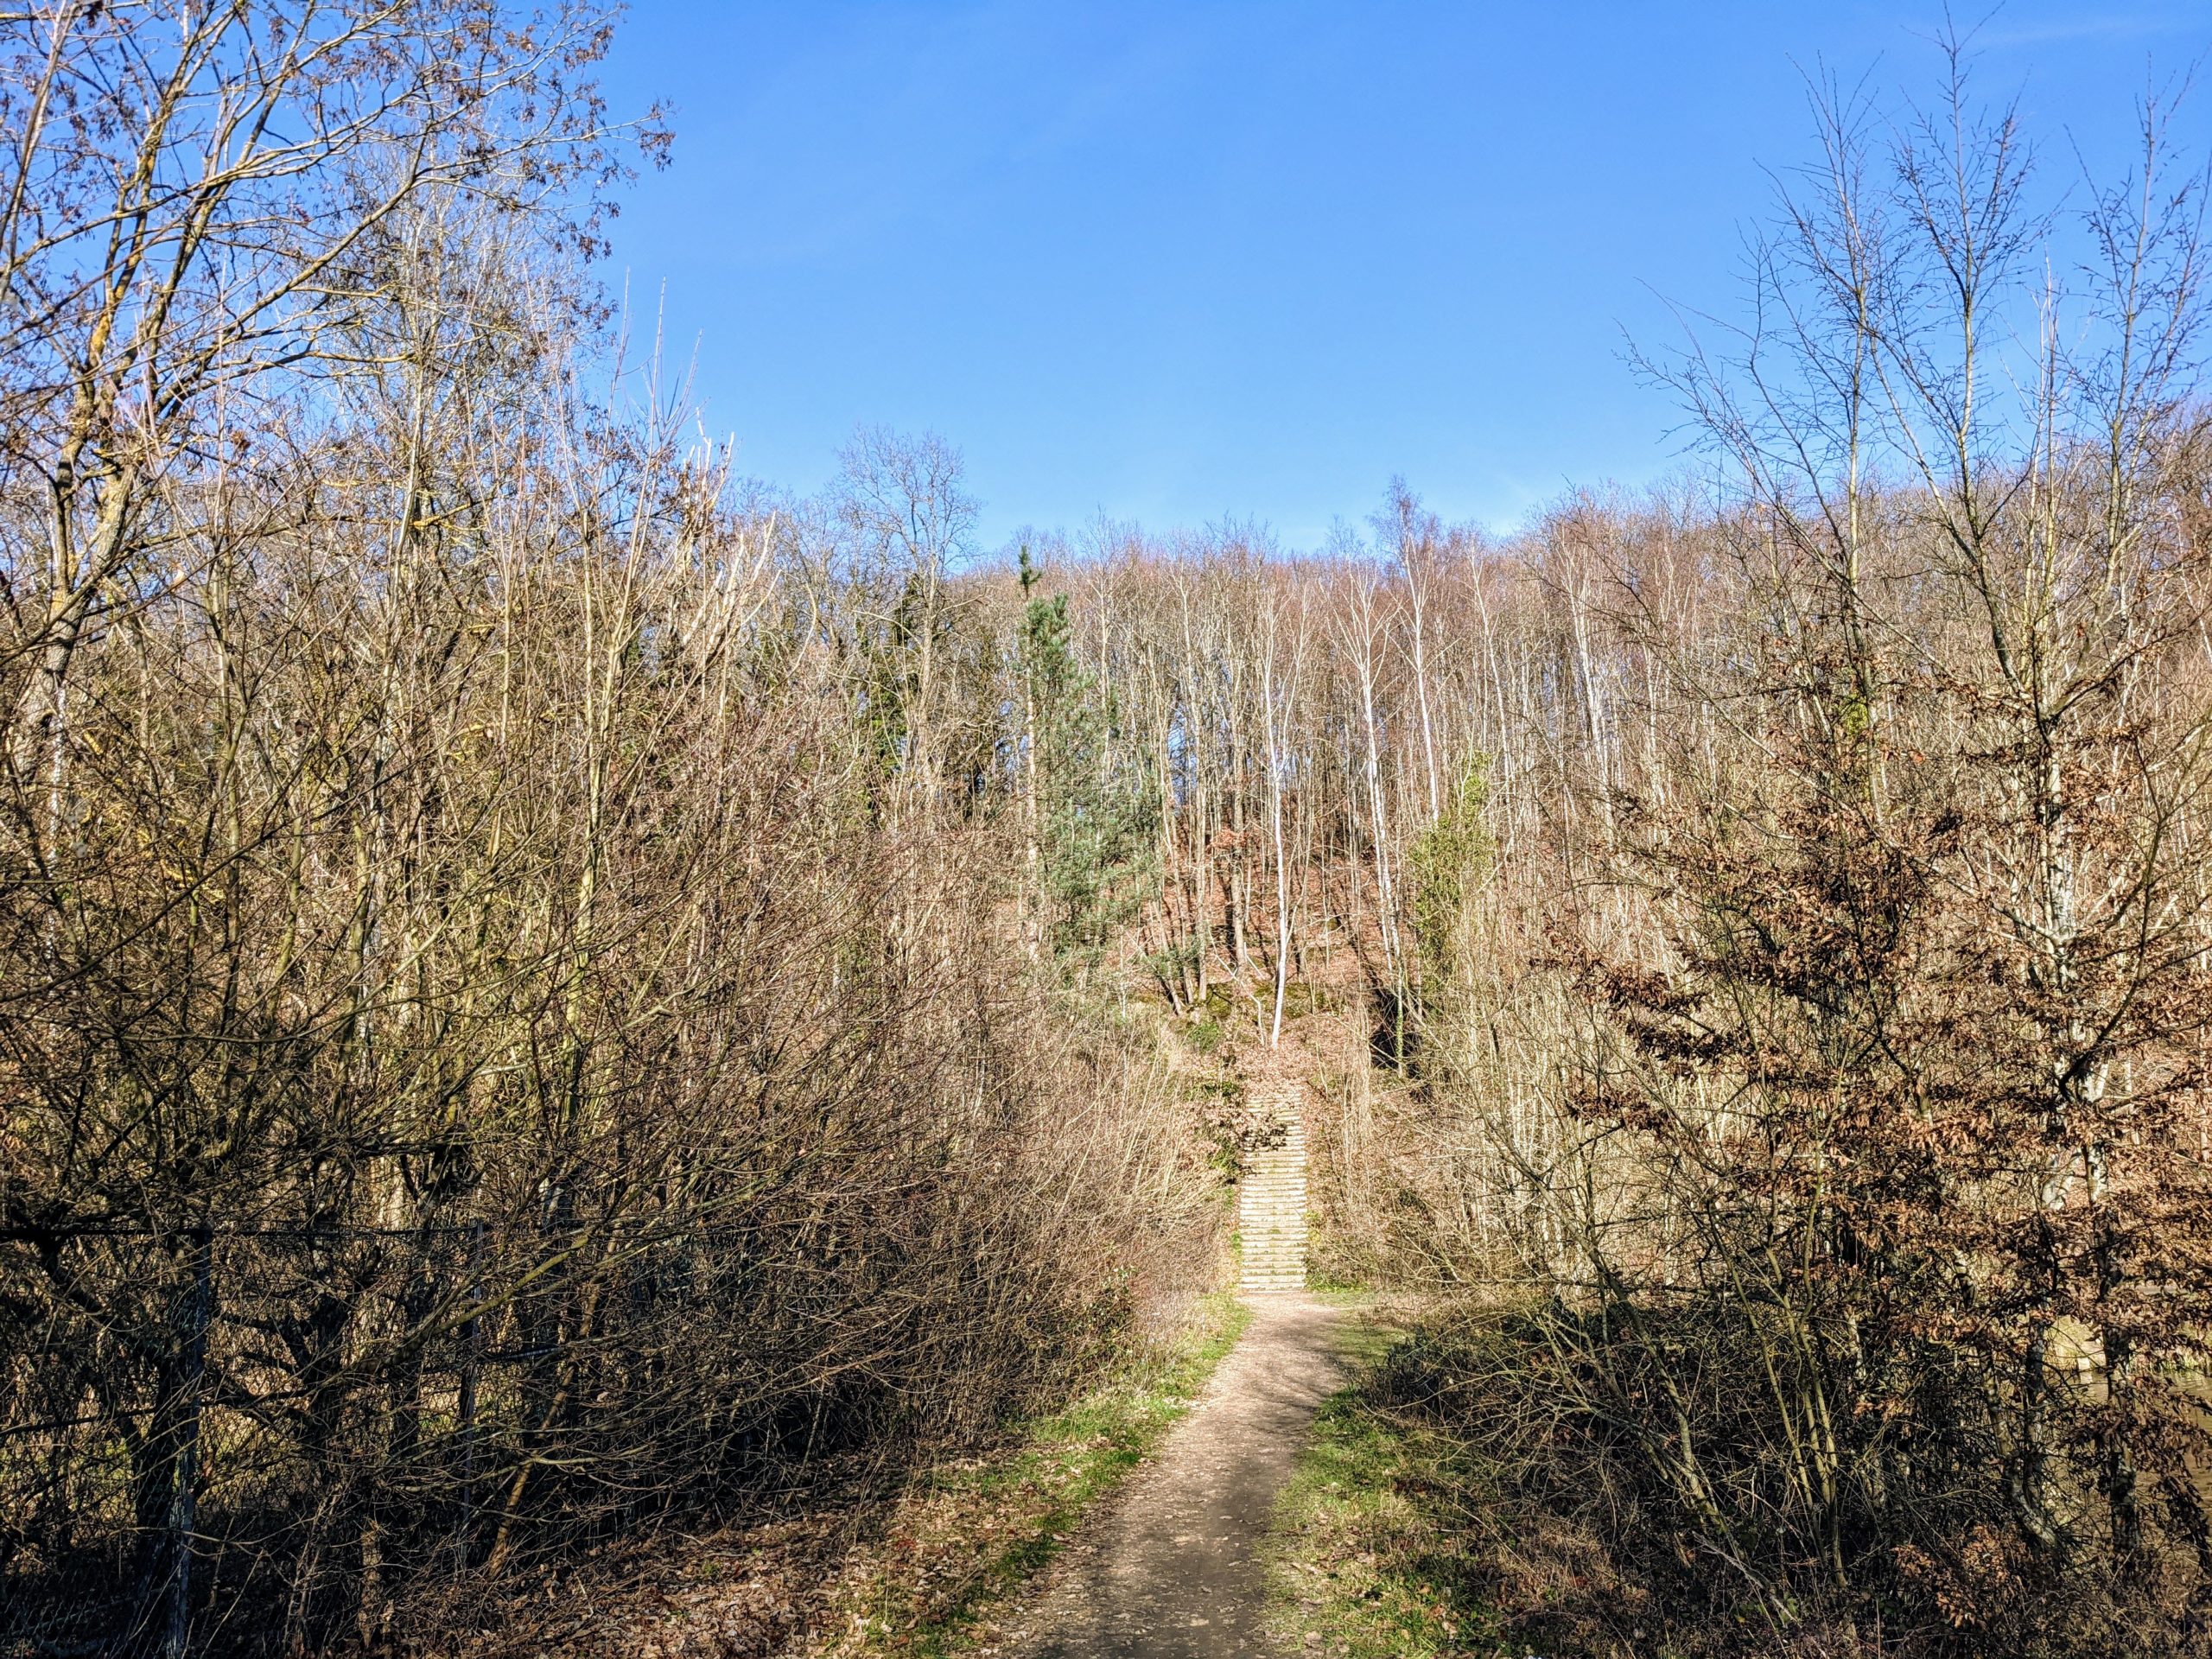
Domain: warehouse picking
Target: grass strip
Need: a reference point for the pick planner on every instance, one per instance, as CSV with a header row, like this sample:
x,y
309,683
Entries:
x,y
965,1536
1365,1561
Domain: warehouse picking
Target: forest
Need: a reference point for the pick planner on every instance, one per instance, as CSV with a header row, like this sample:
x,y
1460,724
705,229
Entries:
x,y
548,989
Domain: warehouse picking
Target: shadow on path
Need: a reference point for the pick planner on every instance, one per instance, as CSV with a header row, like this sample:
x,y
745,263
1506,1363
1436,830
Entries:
x,y
1173,1569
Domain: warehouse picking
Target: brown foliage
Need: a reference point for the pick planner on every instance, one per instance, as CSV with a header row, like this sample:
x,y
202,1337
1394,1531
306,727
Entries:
x,y
513,1029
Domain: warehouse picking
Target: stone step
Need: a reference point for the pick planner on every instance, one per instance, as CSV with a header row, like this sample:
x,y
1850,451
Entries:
x,y
1273,1199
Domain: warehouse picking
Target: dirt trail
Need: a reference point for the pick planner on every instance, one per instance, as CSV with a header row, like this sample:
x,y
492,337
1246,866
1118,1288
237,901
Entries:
x,y
1172,1571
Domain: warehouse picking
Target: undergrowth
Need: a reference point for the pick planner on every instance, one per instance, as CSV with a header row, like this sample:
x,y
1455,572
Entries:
x,y
914,1563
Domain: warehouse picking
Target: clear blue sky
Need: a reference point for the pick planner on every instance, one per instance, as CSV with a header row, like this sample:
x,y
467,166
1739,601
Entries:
x,y
1174,262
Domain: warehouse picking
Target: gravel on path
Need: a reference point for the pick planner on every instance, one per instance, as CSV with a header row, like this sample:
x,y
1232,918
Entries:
x,y
1172,1570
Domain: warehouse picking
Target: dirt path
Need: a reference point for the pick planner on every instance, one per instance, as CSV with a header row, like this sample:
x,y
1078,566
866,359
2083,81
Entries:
x,y
1172,1571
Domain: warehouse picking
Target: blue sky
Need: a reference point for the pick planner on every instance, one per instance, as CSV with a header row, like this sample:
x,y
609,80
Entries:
x,y
1175,263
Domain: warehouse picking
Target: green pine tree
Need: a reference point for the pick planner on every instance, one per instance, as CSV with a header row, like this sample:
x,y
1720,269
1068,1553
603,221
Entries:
x,y
1093,812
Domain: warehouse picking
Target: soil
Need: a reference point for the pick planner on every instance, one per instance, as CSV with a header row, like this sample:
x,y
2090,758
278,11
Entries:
x,y
1172,1571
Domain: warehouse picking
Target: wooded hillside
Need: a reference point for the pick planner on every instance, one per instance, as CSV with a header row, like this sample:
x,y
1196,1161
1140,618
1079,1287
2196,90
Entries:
x,y
545,986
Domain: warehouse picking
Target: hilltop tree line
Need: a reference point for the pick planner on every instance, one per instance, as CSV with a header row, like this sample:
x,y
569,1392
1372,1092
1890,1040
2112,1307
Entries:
x,y
548,987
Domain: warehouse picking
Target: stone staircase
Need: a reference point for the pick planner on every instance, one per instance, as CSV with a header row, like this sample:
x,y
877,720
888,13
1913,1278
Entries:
x,y
1271,1200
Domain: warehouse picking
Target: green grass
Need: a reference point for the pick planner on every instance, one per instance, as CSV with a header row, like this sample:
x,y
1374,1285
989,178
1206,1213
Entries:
x,y
965,1536
1363,1561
